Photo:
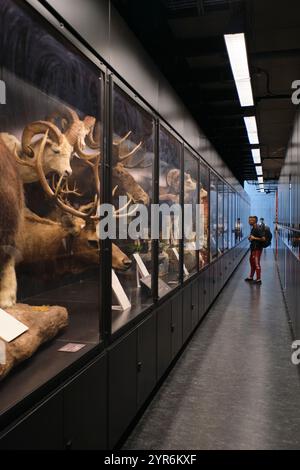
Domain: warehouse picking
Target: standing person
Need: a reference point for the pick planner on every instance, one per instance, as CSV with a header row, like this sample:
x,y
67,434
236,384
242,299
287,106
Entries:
x,y
256,239
262,223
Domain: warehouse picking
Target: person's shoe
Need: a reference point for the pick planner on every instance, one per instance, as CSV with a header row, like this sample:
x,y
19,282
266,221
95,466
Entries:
x,y
249,279
258,282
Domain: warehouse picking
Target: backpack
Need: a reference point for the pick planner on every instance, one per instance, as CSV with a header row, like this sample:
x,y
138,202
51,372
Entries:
x,y
268,237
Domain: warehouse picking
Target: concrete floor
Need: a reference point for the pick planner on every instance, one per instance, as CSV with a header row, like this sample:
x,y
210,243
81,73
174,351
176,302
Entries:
x,y
235,386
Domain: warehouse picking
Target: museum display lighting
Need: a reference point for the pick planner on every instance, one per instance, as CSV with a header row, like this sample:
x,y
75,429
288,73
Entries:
x,y
256,156
251,127
259,170
237,52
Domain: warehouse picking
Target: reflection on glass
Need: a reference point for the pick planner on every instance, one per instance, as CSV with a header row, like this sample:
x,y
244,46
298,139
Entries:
x,y
220,217
226,221
213,216
238,222
204,216
132,183
190,201
51,125
169,194
230,219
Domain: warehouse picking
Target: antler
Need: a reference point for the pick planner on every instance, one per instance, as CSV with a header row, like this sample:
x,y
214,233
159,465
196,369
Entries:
x,y
126,156
36,162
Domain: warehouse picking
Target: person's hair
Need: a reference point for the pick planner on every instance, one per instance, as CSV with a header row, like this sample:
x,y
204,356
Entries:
x,y
253,217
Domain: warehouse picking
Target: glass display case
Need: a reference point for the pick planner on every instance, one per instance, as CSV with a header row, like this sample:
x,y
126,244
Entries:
x,y
74,138
226,219
220,217
170,183
191,177
213,216
204,216
50,151
132,192
230,218
238,225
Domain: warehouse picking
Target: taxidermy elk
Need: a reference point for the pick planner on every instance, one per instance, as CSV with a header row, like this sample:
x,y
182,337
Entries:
x,y
22,162
84,135
62,244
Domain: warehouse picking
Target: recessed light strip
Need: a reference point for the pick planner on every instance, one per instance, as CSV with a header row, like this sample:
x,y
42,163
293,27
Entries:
x,y
237,52
256,156
251,127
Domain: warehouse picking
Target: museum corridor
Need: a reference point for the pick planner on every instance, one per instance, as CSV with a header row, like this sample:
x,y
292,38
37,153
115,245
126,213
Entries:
x,y
234,387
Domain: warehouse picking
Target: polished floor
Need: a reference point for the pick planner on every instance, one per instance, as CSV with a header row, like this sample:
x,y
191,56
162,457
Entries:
x,y
235,386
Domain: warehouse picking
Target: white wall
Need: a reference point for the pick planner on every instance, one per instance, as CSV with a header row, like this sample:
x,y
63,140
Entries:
x,y
262,204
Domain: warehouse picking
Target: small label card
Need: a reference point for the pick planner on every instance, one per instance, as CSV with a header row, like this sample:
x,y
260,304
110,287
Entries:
x,y
10,328
2,352
186,273
141,265
72,347
119,292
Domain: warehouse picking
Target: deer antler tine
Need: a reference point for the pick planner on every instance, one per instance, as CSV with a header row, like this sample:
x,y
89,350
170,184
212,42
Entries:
x,y
131,153
117,212
57,188
114,190
119,142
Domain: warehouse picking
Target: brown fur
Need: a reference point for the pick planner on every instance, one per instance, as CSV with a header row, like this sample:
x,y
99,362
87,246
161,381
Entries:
x,y
127,184
11,205
65,245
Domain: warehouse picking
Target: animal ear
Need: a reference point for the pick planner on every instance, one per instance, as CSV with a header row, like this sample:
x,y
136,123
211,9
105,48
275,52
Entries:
x,y
68,223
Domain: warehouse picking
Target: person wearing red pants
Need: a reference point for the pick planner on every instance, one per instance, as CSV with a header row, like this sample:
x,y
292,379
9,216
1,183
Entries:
x,y
256,239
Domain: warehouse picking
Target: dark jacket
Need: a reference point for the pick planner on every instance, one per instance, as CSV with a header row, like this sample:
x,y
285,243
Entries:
x,y
255,244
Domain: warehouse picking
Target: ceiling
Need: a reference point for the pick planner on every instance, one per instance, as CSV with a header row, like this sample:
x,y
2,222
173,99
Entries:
x,y
185,39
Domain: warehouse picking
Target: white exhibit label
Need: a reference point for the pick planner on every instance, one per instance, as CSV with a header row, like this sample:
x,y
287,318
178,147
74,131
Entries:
x,y
119,292
177,257
71,347
141,265
10,328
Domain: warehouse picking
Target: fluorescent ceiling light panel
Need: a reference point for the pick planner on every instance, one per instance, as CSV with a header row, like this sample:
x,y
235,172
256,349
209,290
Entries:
x,y
260,179
237,52
251,126
256,156
259,170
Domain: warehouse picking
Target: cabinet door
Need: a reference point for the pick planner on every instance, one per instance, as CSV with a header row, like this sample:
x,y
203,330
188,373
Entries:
x,y
146,365
176,325
206,289
85,408
187,312
195,304
164,356
213,271
122,390
40,430
201,287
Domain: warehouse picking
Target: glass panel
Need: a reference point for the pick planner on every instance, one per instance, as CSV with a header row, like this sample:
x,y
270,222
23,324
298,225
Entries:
x,y
190,208
204,216
230,219
213,216
132,183
53,113
226,208
220,216
169,193
238,222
